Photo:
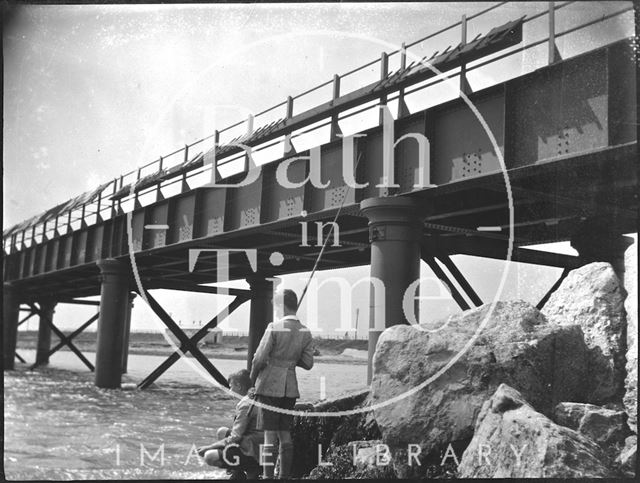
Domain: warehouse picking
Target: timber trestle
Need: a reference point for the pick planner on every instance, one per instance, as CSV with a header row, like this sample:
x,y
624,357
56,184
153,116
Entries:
x,y
188,344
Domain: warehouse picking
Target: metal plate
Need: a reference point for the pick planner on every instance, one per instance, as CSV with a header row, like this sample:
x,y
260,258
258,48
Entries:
x,y
243,205
41,257
157,214
407,153
558,111
79,249
181,218
372,166
319,199
461,146
52,255
280,202
137,229
94,243
210,211
67,243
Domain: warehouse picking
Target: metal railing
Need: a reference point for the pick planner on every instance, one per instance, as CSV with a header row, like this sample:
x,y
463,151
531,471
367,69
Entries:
x,y
85,214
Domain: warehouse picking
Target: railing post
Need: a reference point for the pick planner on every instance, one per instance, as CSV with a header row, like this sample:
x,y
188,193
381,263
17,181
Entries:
x,y
384,72
183,184
288,146
464,85
136,203
159,196
249,125
335,127
113,201
98,217
403,110
247,136
120,199
214,163
552,33
83,223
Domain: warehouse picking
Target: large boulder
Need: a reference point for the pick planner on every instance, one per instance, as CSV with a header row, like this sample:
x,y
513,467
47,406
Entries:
x,y
315,436
631,308
512,440
592,297
546,362
606,427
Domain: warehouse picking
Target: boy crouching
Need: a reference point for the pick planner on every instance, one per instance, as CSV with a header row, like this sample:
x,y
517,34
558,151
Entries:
x,y
238,448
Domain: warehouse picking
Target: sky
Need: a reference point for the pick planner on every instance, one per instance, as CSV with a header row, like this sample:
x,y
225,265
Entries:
x,y
93,91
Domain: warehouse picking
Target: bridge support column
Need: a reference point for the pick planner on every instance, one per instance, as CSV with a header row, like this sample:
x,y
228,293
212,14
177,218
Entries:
x,y
127,332
44,332
114,302
595,243
261,312
10,315
395,231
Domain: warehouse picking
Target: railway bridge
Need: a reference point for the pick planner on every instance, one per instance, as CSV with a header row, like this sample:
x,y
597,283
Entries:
x,y
544,156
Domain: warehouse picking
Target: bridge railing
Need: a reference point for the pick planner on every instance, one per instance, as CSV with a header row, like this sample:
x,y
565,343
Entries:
x,y
543,48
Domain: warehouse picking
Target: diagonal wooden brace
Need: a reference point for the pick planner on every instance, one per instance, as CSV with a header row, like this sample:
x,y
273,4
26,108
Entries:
x,y
173,358
464,284
26,318
457,296
20,358
186,345
553,288
71,336
63,338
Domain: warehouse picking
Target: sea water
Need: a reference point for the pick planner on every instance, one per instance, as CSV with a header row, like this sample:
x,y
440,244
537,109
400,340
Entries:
x,y
59,426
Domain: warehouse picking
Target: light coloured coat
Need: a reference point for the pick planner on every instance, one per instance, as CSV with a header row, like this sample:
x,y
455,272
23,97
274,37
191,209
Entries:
x,y
285,344
244,432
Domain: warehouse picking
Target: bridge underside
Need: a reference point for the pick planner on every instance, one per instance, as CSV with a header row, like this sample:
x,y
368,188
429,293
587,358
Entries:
x,y
550,200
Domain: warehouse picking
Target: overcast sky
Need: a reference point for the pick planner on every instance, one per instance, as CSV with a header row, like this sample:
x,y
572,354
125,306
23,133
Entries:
x,y
93,91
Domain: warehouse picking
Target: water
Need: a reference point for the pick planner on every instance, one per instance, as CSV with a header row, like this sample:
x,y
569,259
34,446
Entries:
x,y
59,426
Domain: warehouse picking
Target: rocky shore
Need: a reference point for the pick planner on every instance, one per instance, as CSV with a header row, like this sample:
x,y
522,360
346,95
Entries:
x,y
500,391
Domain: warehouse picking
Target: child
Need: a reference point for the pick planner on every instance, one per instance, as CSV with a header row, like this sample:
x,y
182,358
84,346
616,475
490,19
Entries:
x,y
285,344
237,449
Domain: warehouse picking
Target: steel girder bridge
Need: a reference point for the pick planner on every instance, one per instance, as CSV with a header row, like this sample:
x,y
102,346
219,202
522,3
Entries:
x,y
566,131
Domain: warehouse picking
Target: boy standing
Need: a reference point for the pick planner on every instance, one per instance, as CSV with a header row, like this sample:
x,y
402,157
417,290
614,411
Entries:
x,y
285,344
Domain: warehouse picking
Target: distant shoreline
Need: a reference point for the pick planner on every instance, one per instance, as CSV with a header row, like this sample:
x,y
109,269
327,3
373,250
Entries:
x,y
232,347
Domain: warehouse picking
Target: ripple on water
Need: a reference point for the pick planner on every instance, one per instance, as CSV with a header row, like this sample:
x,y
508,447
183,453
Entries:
x,y
58,425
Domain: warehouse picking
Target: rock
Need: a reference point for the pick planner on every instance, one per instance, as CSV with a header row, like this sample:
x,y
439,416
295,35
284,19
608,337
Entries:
x,y
355,460
606,427
512,440
365,452
313,432
627,458
546,362
631,308
592,297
